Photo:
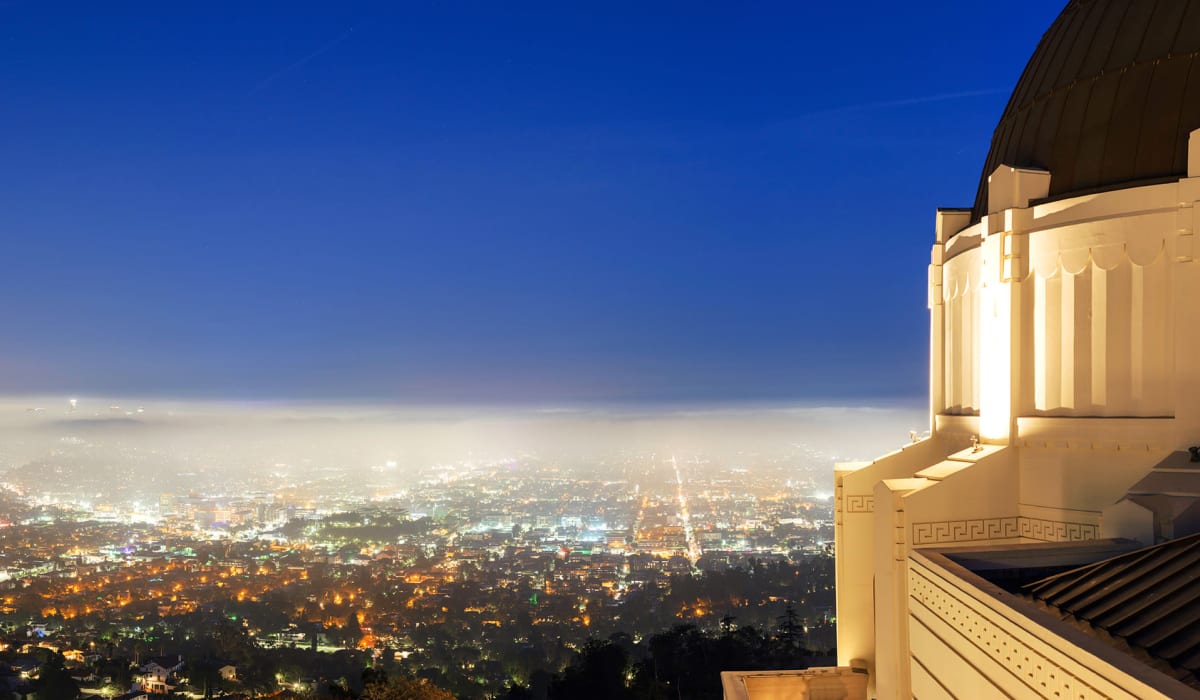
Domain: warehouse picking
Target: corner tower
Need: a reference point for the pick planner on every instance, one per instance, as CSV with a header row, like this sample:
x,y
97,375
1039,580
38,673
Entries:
x,y
1064,382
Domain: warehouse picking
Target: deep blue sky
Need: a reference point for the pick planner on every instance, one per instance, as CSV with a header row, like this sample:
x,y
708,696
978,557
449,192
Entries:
x,y
577,202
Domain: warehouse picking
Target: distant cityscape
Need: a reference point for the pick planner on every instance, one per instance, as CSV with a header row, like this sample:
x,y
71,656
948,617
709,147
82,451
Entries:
x,y
477,574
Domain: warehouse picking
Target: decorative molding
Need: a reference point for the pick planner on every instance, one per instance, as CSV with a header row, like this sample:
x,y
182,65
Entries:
x,y
965,530
1055,531
979,529
860,504
1042,674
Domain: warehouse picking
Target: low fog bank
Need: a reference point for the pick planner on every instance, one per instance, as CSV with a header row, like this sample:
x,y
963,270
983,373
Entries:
x,y
46,433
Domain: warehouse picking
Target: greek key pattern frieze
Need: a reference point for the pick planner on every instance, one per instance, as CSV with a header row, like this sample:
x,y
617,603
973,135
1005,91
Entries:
x,y
860,504
965,530
1054,531
979,529
1046,677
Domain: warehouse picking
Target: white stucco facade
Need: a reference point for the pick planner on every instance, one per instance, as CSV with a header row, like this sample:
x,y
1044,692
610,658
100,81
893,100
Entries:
x,y
1065,340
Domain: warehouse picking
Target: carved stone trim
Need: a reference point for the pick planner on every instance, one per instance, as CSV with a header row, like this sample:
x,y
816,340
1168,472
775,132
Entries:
x,y
979,529
965,530
1054,531
860,504
1042,674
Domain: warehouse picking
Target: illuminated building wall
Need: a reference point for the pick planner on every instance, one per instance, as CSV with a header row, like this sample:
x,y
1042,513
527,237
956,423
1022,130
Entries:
x,y
1065,341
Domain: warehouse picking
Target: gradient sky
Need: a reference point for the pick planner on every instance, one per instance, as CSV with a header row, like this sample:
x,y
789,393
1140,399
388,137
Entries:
x,y
576,202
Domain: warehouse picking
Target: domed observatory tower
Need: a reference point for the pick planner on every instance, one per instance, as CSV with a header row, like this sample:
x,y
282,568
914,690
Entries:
x,y
1042,541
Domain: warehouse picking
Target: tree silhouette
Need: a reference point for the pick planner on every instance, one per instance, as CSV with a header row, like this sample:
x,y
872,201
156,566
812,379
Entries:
x,y
599,674
405,689
54,682
352,632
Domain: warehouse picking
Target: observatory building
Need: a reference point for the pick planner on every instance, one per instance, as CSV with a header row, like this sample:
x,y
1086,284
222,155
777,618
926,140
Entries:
x,y
1042,541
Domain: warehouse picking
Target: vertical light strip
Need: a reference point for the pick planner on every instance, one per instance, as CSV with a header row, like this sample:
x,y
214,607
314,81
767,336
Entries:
x,y
1039,342
1082,368
1099,336
955,364
1120,330
965,351
1157,394
1054,333
948,354
1066,357
1137,334
976,353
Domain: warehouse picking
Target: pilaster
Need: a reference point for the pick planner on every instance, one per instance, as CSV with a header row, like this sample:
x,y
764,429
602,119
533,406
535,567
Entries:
x,y
948,223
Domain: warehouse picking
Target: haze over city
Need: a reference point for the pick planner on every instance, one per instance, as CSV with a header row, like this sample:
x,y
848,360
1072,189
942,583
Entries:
x,y
240,440
366,432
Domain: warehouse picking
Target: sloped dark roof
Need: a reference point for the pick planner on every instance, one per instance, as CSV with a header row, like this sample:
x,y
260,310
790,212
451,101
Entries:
x,y
1150,599
1109,97
168,662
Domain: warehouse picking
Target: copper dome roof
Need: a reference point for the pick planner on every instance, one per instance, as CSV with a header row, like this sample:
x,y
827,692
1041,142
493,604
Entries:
x,y
1108,98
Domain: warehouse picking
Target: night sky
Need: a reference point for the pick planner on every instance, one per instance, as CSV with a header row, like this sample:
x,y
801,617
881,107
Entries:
x,y
487,202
